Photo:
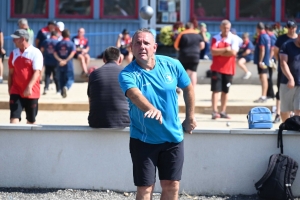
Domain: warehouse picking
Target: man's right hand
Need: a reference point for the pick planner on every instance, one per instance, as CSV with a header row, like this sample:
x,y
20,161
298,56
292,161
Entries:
x,y
154,113
291,83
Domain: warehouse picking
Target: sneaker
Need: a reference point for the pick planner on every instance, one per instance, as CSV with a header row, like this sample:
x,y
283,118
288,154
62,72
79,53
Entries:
x,y
247,75
277,119
1,80
215,115
64,92
45,92
205,57
260,100
224,115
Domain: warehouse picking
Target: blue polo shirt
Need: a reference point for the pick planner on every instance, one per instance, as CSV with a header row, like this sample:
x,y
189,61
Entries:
x,y
63,49
243,48
159,87
293,52
49,48
265,41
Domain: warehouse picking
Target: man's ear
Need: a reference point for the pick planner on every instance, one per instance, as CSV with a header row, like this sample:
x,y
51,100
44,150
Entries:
x,y
120,60
104,60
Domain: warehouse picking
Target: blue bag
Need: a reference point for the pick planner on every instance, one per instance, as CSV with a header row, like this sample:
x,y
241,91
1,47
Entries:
x,y
260,118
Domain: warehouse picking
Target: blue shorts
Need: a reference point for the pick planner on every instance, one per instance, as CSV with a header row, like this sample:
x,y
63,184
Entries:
x,y
247,58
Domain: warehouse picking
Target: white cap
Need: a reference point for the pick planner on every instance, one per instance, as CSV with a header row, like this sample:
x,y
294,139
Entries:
x,y
61,26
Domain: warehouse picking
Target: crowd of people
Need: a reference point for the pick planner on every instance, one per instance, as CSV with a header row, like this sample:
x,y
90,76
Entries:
x,y
143,94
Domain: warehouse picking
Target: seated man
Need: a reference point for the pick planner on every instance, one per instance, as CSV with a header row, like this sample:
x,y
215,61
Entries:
x,y
108,104
82,49
245,55
123,43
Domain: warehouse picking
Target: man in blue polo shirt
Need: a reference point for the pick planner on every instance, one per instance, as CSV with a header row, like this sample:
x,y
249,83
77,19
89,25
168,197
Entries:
x,y
48,48
289,90
64,53
262,59
156,133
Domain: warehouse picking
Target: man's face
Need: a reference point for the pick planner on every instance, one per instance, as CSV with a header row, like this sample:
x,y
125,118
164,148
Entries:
x,y
225,28
22,26
51,27
143,46
292,29
18,42
81,32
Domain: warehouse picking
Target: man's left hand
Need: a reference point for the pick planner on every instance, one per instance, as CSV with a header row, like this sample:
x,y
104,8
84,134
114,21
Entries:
x,y
27,92
189,125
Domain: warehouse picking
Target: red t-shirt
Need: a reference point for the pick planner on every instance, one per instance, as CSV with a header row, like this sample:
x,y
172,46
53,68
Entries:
x,y
24,65
224,64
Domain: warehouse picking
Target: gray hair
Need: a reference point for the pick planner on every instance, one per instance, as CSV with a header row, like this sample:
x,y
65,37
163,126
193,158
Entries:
x,y
225,22
23,21
143,30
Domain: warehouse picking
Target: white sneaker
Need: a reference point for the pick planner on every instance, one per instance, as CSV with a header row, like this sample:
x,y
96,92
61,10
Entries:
x,y
205,57
247,75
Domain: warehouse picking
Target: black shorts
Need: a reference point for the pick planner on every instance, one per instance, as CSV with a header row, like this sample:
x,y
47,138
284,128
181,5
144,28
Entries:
x,y
190,66
262,71
167,157
17,104
220,82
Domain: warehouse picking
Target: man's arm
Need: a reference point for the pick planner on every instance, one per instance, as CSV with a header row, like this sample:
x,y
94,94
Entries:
x,y
9,80
202,45
137,98
261,54
286,70
276,53
231,52
35,77
189,123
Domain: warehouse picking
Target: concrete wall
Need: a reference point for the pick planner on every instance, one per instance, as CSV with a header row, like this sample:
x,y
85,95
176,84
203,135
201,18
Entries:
x,y
217,162
203,66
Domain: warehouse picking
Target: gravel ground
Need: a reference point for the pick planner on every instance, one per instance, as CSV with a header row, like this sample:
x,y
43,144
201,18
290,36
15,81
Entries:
x,y
69,194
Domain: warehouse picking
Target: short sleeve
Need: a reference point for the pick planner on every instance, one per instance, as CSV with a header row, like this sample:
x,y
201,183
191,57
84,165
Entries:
x,y
278,42
213,43
38,60
283,49
73,47
235,45
183,79
126,81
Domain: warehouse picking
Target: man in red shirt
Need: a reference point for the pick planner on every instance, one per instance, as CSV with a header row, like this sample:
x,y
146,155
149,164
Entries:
x,y
25,65
224,48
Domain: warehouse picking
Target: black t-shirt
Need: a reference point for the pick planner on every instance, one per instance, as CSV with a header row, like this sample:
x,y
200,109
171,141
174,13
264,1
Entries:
x,y
189,48
279,42
293,52
108,104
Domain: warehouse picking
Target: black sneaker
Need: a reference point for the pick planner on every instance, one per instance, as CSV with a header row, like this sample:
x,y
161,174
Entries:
x,y
64,92
277,119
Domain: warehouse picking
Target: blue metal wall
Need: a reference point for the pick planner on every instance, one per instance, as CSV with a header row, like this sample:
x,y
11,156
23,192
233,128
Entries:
x,y
103,33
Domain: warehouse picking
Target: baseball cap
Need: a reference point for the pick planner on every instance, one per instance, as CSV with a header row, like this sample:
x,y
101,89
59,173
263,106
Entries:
x,y
125,31
20,33
291,23
61,26
52,22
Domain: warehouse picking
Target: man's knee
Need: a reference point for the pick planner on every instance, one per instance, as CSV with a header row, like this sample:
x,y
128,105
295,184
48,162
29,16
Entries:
x,y
80,57
168,185
144,191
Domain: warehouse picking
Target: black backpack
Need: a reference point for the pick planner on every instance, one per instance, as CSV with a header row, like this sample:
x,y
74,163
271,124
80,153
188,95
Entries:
x,y
292,123
277,181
